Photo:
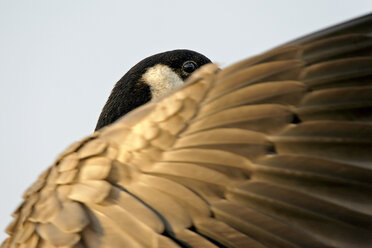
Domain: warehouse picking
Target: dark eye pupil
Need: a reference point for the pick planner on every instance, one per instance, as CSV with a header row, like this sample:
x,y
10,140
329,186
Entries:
x,y
189,67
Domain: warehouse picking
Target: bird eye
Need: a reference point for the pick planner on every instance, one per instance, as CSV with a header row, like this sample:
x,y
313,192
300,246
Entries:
x,y
189,66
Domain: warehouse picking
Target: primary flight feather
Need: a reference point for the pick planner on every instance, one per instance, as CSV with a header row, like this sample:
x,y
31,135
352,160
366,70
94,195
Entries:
x,y
273,151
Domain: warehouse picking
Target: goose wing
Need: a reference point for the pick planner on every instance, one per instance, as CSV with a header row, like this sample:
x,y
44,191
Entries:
x,y
274,151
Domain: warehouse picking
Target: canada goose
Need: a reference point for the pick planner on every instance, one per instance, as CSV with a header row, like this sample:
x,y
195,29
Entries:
x,y
151,78
274,151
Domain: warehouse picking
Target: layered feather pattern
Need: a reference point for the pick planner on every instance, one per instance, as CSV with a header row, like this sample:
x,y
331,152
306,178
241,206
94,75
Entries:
x,y
274,151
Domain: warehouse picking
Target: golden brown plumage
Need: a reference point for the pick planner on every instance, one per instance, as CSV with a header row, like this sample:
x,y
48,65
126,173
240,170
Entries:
x,y
274,151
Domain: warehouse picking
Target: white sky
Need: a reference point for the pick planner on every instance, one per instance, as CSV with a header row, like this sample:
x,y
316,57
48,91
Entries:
x,y
60,59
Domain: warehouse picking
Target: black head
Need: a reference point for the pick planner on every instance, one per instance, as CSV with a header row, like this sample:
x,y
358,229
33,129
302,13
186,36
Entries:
x,y
150,78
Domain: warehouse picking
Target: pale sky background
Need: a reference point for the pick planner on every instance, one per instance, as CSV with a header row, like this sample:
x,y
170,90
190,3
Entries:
x,y
60,59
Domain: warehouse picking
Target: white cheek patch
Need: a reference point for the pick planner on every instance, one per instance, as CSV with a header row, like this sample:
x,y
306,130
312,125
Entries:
x,y
161,80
